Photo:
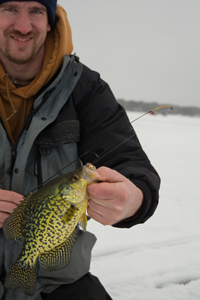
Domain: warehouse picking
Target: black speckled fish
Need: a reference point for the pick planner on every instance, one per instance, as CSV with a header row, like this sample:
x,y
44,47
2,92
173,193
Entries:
x,y
47,220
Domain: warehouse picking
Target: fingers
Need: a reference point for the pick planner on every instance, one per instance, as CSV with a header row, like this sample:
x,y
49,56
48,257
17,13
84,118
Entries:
x,y
109,175
113,199
106,213
3,216
7,207
8,202
10,196
106,197
104,190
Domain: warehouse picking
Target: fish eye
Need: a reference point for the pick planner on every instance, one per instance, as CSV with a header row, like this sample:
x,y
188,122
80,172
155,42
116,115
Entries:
x,y
75,178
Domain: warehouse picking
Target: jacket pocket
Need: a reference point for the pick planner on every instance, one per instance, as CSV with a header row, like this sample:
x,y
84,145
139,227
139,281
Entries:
x,y
64,132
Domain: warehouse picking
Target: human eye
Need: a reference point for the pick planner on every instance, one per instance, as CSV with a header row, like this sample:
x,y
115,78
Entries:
x,y
10,9
37,12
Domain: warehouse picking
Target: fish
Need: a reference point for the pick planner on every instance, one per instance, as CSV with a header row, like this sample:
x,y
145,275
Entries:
x,y
48,220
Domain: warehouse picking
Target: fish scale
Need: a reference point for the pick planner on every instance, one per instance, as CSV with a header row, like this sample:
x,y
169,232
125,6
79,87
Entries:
x,y
47,220
51,228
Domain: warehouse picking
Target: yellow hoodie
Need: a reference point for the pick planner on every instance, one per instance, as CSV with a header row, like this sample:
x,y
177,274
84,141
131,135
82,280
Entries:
x,y
15,103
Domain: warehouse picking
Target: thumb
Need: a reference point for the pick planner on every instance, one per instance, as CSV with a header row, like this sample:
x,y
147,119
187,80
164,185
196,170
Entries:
x,y
108,175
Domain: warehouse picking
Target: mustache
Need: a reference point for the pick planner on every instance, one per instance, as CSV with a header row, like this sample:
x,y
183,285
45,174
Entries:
x,y
19,34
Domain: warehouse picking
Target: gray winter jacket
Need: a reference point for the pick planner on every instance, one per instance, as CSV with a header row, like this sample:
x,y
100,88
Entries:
x,y
23,179
75,115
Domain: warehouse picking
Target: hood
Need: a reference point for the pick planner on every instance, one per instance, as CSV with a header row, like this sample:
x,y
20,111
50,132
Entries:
x,y
15,103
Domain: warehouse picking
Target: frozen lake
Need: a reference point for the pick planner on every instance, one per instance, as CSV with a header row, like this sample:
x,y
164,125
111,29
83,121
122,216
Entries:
x,y
158,260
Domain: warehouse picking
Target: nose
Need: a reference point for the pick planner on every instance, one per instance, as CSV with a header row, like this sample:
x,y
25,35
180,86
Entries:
x,y
23,23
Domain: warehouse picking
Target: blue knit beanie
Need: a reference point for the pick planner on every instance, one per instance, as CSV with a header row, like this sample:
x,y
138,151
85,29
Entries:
x,y
51,6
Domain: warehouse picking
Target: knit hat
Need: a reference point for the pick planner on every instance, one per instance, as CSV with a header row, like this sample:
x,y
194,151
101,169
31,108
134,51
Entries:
x,y
51,6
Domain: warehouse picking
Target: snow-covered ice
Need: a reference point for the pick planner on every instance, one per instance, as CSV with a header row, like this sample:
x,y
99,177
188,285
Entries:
x,y
158,260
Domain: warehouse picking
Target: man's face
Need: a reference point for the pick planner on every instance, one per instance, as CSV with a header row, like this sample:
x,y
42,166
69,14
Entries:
x,y
23,30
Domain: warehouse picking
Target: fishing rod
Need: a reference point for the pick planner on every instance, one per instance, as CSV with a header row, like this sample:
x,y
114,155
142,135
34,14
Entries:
x,y
165,109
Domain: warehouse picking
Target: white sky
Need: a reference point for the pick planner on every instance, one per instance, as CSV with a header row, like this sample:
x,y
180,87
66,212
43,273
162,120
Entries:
x,y
146,49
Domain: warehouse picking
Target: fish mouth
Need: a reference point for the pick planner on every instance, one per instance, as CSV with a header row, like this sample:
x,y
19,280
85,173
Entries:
x,y
89,173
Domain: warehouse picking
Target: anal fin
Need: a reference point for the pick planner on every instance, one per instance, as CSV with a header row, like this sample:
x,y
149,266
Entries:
x,y
19,277
58,257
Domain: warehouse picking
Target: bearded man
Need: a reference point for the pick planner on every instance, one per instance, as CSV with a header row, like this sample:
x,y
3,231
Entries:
x,y
53,109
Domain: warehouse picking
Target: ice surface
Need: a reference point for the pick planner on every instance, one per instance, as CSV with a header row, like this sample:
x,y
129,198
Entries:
x,y
158,260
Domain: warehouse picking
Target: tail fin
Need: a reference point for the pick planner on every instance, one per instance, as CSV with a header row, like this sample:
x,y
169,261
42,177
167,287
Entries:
x,y
19,277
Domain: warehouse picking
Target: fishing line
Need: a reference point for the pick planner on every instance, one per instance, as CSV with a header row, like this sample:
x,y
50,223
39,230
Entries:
x,y
113,147
89,151
166,108
161,109
94,162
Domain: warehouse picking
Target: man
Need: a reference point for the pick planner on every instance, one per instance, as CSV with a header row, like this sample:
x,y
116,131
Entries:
x,y
52,110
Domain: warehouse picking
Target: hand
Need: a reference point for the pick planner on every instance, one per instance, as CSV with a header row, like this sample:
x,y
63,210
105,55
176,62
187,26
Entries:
x,y
8,201
114,199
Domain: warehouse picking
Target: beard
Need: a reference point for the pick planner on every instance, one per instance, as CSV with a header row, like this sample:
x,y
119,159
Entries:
x,y
23,55
17,60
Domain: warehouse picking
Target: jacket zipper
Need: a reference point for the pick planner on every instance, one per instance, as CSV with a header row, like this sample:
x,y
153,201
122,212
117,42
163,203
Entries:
x,y
13,155
38,169
26,125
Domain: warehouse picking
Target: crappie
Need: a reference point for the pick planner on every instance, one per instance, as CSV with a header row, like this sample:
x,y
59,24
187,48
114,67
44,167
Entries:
x,y
47,220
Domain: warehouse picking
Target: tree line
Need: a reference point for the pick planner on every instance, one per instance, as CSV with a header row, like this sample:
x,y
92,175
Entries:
x,y
144,107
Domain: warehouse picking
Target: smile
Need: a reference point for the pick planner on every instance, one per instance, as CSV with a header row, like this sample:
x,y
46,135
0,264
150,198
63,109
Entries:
x,y
21,40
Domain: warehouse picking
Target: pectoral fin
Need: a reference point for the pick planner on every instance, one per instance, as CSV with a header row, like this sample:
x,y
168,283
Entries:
x,y
69,215
83,221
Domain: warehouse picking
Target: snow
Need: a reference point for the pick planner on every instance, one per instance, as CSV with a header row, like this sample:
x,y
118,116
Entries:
x,y
158,260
